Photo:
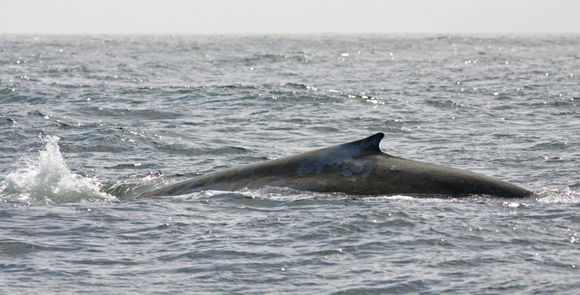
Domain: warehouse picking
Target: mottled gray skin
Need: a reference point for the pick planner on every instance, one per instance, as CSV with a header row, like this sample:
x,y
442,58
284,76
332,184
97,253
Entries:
x,y
357,168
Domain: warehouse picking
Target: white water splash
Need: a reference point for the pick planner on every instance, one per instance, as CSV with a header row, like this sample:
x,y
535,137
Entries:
x,y
47,178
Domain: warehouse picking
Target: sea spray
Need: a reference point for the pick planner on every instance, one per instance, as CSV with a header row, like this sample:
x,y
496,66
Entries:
x,y
47,178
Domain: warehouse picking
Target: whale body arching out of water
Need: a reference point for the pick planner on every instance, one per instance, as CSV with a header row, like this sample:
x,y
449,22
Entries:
x,y
357,168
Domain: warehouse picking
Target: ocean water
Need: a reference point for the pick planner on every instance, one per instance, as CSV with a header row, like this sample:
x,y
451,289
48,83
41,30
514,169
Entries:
x,y
89,122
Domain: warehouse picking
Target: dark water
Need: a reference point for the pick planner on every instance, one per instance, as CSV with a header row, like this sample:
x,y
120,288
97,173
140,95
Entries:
x,y
88,122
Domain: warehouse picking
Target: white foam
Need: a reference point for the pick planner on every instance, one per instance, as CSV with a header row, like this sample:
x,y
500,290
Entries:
x,y
46,177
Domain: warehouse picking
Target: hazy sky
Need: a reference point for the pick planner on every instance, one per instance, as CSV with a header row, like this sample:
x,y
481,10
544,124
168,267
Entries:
x,y
289,16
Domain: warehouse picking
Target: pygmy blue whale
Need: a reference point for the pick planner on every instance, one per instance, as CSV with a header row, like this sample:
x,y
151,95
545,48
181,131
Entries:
x,y
357,168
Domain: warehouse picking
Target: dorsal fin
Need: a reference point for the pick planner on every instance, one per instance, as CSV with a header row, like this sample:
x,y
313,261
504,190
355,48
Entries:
x,y
369,144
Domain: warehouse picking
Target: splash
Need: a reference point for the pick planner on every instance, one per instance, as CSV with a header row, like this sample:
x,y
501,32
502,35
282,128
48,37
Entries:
x,y
46,178
561,196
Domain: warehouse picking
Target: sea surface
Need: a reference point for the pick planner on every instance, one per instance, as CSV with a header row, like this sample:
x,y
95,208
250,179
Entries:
x,y
89,122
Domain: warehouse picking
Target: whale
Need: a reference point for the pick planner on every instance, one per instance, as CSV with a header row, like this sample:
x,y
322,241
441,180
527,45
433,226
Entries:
x,y
355,168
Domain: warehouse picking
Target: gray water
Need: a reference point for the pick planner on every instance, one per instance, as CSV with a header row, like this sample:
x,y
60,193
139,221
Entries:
x,y
89,122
